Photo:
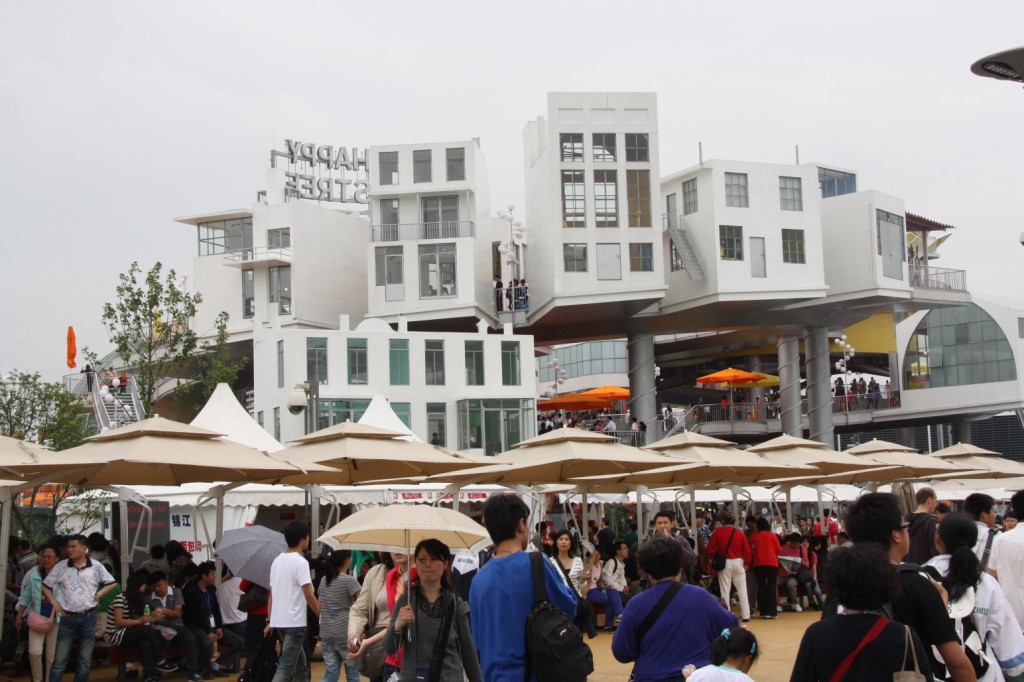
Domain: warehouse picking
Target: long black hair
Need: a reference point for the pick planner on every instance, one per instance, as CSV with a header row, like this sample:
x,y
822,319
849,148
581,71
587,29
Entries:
x,y
438,551
959,533
133,593
735,643
335,561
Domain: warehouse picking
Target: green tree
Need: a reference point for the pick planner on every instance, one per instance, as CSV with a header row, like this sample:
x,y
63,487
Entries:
x,y
149,327
215,365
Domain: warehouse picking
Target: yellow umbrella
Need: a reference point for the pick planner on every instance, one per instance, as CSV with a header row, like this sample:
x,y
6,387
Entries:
x,y
769,381
609,392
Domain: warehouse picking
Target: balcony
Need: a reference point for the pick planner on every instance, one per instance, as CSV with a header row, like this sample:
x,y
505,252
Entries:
x,y
259,256
400,232
941,279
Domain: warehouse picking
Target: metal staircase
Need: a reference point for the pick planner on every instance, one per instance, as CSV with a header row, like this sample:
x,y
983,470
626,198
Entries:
x,y
687,254
112,406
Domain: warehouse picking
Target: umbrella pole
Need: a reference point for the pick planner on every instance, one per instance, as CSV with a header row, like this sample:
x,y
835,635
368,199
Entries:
x,y
821,507
584,516
789,507
6,498
315,493
639,511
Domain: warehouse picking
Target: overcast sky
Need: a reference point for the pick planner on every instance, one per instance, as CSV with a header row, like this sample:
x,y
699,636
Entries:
x,y
120,116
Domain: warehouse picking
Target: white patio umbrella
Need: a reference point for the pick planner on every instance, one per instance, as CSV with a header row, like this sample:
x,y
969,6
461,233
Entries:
x,y
400,527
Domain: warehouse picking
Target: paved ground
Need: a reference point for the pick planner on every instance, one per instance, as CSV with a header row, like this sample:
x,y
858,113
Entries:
x,y
779,641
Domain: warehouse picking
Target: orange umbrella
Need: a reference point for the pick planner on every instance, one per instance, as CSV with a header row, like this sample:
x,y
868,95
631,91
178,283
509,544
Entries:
x,y
574,401
72,348
609,392
731,376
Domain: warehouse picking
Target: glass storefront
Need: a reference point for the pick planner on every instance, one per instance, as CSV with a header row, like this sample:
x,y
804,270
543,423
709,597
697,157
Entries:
x,y
494,425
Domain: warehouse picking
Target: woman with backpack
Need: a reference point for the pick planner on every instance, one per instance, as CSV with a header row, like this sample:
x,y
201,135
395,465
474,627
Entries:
x,y
431,623
981,614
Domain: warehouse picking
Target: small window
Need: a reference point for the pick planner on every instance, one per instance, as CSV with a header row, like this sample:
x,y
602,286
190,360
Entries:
x,y
438,270
280,282
606,212
793,246
638,193
398,360
730,242
421,165
388,265
791,195
474,363
637,147
259,418
573,200
641,258
736,190
248,294
574,257
690,196
572,146
277,423
281,238
604,146
434,362
280,364
357,362
316,360
388,164
455,163
436,424
510,363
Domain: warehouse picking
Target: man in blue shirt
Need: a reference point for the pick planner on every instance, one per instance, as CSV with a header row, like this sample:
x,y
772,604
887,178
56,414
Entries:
x,y
683,633
502,594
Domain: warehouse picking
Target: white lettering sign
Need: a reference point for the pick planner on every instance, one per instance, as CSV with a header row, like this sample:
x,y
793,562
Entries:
x,y
320,172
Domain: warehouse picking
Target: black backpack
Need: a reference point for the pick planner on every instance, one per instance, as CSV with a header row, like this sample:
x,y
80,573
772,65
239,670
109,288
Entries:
x,y
555,649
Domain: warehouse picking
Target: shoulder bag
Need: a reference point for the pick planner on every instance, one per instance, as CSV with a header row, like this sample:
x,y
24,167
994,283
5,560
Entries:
x,y
718,563
254,597
652,618
37,622
871,635
905,675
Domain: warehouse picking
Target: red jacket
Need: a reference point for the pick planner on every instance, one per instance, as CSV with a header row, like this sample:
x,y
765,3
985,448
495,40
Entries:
x,y
766,548
739,548
832,531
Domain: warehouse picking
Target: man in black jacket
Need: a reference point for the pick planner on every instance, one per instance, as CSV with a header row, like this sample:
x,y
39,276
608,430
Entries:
x,y
923,525
202,617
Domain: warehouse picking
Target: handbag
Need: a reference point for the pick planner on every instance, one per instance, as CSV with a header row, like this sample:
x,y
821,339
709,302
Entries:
x,y
905,675
263,666
371,662
253,598
37,622
718,562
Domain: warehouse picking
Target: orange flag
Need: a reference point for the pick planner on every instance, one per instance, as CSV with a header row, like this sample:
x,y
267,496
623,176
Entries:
x,y
72,348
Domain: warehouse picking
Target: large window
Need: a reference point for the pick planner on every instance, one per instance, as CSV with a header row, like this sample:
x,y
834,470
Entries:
x,y
574,257
584,359
572,146
834,183
388,265
638,192
330,412
736,190
455,163
793,246
690,196
316,360
389,215
791,194
606,213
957,347
388,164
281,288
474,363
280,364
248,294
421,165
637,147
573,202
440,217
403,411
604,146
494,425
433,360
437,425
437,270
279,238
641,258
510,375
730,242
357,362
398,360
222,236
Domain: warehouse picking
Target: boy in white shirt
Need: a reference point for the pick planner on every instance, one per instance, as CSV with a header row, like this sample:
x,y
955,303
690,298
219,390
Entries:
x,y
291,590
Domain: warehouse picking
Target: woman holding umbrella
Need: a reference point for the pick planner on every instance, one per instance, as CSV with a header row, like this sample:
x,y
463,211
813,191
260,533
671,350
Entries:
x,y
432,624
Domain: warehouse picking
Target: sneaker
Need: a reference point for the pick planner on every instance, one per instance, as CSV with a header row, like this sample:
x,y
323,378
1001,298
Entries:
x,y
165,666
796,607
769,617
195,677
778,607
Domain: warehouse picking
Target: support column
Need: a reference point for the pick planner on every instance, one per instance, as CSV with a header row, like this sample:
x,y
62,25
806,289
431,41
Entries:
x,y
819,391
754,363
643,401
961,432
789,385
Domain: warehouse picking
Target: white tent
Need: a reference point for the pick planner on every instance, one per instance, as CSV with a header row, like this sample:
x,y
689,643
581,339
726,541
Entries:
x,y
224,414
380,414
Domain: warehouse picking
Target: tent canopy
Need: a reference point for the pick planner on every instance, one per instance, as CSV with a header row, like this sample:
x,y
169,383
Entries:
x,y
379,413
224,414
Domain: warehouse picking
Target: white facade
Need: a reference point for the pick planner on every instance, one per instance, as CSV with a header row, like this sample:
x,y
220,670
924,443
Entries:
x,y
430,244
754,229
475,390
591,191
282,263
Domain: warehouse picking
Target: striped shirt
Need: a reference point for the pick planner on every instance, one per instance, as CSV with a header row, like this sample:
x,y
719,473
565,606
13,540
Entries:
x,y
115,633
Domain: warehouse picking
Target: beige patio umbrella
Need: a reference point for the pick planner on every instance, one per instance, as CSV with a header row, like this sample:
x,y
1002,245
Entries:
x,y
990,465
792,450
400,527
15,454
912,464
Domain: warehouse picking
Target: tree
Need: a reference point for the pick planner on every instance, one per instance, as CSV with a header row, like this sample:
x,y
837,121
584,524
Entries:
x,y
149,327
215,365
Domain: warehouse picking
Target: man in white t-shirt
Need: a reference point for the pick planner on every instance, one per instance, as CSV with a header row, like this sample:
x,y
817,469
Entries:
x,y
1007,561
291,590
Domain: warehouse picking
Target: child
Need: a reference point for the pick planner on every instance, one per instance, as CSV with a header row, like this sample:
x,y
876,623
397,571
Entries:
x,y
732,655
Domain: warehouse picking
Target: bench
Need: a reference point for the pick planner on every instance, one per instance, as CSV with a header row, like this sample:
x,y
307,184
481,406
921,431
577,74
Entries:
x,y
123,655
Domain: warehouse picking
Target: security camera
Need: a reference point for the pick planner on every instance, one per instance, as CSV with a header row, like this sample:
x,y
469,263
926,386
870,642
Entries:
x,y
1022,238
297,401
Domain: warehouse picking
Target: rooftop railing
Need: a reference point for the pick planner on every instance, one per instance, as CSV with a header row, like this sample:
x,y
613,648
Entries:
x,y
445,229
259,253
937,278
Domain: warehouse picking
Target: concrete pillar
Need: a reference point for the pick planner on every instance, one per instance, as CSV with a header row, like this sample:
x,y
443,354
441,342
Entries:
x,y
819,390
961,432
754,363
643,401
789,385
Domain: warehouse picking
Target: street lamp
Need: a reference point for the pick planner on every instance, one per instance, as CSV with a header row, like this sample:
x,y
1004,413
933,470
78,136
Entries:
x,y
560,377
510,249
1007,65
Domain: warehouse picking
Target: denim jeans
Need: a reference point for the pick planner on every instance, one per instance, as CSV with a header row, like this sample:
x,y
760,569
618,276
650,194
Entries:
x,y
83,628
292,666
335,651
